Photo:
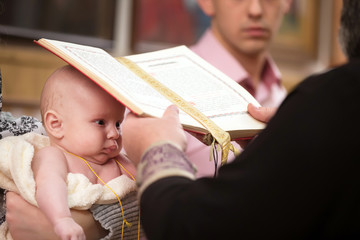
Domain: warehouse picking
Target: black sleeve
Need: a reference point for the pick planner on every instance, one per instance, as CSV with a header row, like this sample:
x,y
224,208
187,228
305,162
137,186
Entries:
x,y
298,179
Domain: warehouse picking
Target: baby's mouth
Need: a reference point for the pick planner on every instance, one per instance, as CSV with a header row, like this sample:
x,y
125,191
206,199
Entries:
x,y
112,147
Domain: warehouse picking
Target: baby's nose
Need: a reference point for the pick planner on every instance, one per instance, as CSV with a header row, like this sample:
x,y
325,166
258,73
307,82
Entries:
x,y
114,133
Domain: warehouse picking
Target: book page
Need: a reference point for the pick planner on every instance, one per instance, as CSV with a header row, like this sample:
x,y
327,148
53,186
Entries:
x,y
216,95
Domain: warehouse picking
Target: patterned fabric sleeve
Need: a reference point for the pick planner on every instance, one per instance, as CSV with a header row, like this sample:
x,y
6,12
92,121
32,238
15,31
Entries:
x,y
162,160
11,126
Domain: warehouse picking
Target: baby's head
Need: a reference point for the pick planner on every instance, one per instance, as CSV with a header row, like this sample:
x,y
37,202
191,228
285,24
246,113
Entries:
x,y
80,117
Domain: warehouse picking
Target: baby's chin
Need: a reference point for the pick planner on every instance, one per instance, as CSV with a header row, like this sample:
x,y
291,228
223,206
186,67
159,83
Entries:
x,y
102,158
113,154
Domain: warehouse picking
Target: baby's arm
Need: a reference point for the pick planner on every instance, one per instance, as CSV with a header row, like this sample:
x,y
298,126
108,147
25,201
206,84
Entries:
x,y
50,171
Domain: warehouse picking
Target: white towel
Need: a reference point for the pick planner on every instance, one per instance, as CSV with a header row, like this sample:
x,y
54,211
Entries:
x,y
16,154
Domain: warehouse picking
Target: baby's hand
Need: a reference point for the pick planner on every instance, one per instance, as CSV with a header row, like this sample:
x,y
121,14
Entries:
x,y
67,229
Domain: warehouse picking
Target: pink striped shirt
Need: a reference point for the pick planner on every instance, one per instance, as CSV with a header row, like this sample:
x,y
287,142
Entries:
x,y
270,92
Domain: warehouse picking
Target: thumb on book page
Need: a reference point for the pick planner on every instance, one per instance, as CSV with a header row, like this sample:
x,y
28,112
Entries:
x,y
175,131
263,114
172,112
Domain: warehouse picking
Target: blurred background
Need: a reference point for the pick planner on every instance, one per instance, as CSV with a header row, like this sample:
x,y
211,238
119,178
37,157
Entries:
x,y
307,42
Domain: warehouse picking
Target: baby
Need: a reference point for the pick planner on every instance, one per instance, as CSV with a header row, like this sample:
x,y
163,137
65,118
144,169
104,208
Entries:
x,y
83,124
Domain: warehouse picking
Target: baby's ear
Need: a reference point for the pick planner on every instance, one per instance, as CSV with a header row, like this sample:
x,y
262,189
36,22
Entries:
x,y
53,124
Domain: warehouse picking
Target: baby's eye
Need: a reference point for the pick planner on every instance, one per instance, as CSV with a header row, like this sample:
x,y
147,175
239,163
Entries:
x,y
117,124
100,122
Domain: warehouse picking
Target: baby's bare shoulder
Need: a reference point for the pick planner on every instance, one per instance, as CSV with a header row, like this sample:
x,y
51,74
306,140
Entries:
x,y
49,152
126,165
49,159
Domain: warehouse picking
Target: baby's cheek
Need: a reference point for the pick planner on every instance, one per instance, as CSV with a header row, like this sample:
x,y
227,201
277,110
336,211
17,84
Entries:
x,y
119,142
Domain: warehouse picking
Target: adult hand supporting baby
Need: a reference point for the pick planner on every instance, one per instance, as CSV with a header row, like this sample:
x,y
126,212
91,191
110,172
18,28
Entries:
x,y
29,223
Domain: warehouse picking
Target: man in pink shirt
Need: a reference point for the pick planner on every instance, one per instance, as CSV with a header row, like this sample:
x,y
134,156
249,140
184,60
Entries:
x,y
237,43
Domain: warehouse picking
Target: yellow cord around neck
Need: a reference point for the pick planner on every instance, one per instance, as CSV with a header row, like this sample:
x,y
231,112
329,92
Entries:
x,y
118,198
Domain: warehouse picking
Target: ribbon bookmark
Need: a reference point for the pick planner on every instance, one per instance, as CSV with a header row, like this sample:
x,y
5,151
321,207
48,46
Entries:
x,y
222,138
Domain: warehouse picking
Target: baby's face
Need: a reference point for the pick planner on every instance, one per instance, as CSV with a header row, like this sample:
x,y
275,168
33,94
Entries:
x,y
92,125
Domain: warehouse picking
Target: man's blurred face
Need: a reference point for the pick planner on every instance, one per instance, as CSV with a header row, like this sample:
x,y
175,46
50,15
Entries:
x,y
247,26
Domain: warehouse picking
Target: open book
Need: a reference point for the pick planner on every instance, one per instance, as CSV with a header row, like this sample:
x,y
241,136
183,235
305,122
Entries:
x,y
138,82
